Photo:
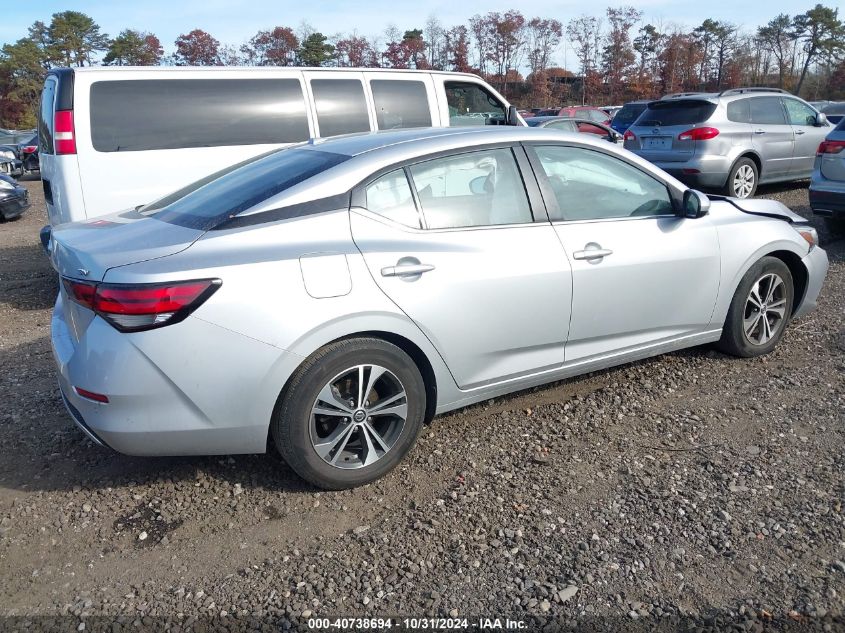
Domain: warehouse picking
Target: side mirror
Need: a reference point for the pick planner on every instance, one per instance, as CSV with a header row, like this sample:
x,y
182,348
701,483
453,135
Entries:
x,y
513,116
614,136
695,204
821,119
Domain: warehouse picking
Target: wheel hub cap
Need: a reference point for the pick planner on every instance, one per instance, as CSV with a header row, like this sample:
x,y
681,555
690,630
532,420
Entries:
x,y
358,416
765,309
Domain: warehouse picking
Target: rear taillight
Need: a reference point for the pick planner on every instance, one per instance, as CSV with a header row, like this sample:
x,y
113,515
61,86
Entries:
x,y
63,132
830,147
135,307
629,135
29,149
698,134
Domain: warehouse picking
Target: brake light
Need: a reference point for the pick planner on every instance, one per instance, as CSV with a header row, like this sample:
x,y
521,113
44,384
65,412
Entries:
x,y
63,133
29,149
698,134
830,147
629,136
92,395
135,307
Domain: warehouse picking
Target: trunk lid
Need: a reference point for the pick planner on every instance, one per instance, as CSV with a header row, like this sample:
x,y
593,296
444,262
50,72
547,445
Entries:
x,y
86,250
657,129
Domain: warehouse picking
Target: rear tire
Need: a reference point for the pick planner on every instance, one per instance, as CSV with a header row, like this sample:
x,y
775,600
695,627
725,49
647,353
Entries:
x,y
836,226
331,426
742,179
760,310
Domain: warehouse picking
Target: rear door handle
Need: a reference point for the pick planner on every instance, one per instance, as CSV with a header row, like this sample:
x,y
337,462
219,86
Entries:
x,y
592,253
799,132
406,270
759,131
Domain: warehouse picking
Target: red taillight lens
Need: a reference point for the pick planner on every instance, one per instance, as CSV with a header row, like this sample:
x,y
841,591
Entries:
x,y
698,134
628,136
29,149
131,308
830,147
63,132
92,395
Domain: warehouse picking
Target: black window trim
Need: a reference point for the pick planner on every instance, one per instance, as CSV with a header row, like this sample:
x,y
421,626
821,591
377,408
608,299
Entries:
x,y
548,196
528,176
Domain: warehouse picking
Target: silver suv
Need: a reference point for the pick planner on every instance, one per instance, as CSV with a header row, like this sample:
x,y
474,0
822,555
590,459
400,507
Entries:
x,y
731,140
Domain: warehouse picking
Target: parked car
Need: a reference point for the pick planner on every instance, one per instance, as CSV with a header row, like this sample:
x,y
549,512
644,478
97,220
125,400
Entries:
x,y
579,112
334,296
575,125
610,110
101,129
14,199
19,159
827,185
730,141
834,111
623,119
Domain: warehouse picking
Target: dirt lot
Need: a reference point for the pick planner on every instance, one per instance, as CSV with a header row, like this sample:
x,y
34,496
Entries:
x,y
692,486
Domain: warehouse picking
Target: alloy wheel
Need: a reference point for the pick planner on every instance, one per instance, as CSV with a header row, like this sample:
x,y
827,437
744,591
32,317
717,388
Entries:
x,y
743,183
358,416
765,308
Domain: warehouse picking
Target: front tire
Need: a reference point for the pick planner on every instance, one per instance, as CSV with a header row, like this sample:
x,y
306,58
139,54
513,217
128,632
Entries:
x,y
742,179
351,413
760,310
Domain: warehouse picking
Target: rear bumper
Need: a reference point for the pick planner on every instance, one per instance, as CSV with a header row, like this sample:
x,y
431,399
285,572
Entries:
x,y
14,203
817,264
827,198
706,172
190,391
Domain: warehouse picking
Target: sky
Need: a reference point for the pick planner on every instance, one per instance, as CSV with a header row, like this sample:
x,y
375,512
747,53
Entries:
x,y
235,21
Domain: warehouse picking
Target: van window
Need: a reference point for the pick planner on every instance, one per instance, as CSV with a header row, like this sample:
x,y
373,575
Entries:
x,y
45,117
341,106
471,104
680,112
231,191
140,115
400,104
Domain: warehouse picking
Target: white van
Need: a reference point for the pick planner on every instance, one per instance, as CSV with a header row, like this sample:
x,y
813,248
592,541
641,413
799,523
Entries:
x,y
115,138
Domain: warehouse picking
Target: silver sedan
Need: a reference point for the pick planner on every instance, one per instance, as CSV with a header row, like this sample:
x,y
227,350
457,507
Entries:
x,y
336,295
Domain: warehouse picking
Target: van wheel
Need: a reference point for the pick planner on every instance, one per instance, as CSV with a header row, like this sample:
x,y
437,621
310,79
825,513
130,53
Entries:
x,y
760,310
742,180
351,413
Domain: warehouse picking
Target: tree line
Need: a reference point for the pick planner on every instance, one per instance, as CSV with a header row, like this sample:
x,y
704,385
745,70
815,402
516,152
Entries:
x,y
614,57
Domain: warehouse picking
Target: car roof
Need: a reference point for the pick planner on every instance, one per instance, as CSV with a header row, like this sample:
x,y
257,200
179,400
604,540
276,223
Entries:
x,y
119,70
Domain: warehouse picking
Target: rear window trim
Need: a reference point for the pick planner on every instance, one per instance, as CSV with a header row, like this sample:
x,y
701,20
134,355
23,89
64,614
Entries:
x,y
668,104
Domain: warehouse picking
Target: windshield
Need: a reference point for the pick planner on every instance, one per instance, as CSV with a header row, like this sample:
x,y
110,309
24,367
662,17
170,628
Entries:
x,y
629,113
681,112
223,195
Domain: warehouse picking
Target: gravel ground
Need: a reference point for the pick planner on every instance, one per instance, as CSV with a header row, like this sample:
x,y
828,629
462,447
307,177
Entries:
x,y
693,489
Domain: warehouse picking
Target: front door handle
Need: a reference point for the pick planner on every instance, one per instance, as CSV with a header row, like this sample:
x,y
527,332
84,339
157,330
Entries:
x,y
592,253
799,132
406,270
759,131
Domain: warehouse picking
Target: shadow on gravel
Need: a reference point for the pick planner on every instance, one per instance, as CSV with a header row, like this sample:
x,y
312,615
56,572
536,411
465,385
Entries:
x,y
27,280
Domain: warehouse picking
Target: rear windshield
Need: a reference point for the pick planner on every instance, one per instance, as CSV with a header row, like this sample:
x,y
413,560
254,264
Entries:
x,y
152,114
681,112
629,113
223,195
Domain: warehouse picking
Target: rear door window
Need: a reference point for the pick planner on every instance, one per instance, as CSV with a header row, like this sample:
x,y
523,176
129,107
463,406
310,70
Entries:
x,y
45,117
131,116
390,196
341,106
400,104
471,104
681,112
767,111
